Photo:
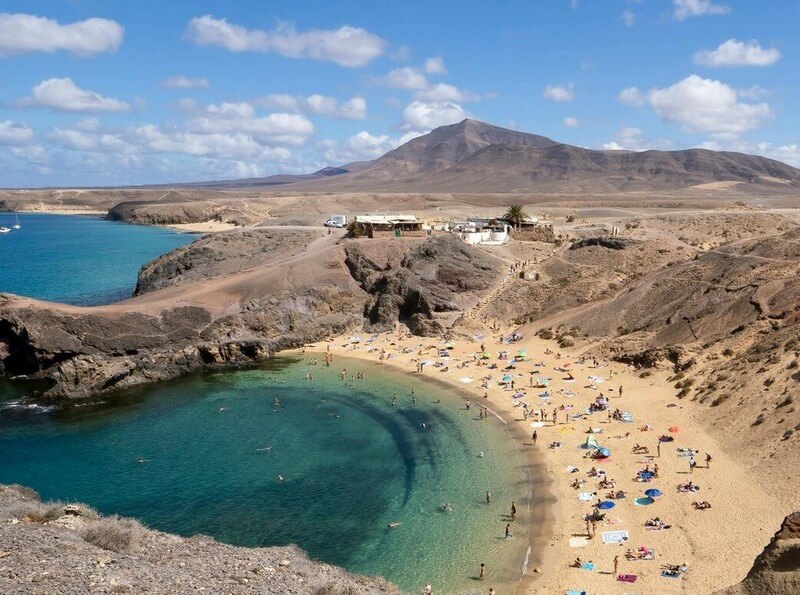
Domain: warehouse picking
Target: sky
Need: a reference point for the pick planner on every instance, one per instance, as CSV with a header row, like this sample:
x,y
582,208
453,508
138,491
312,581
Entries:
x,y
99,93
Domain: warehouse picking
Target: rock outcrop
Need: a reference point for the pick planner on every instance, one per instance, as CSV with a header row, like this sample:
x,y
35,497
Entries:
x,y
776,571
441,275
71,550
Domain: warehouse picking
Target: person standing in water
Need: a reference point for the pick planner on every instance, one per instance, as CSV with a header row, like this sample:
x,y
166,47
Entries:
x,y
488,498
508,530
482,575
513,511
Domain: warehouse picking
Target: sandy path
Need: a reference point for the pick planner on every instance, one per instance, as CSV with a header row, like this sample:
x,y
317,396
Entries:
x,y
718,545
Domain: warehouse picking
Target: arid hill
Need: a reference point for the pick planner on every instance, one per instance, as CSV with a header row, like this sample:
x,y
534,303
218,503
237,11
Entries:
x,y
472,156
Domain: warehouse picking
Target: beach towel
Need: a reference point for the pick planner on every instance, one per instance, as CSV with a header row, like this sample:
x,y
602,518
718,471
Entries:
x,y
537,424
585,496
574,592
627,417
587,566
627,578
610,537
465,379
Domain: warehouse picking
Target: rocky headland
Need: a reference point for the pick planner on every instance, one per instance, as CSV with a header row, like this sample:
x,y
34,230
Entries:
x,y
235,298
70,549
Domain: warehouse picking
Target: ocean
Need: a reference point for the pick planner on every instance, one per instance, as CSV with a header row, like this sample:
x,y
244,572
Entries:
x,y
78,260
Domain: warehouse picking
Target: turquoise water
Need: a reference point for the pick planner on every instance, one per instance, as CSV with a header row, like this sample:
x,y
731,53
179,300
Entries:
x,y
351,463
76,259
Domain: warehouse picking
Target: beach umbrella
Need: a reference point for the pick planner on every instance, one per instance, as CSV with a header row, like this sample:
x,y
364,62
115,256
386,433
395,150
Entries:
x,y
603,452
653,493
643,501
606,504
674,429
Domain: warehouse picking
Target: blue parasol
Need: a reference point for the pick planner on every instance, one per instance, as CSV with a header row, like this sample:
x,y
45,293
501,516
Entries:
x,y
653,493
605,505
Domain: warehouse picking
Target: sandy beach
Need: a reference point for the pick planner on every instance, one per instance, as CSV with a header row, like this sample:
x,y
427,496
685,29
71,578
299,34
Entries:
x,y
740,521
204,227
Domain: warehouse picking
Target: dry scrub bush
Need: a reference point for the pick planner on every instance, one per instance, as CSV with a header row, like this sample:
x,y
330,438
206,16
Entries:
x,y
114,533
43,512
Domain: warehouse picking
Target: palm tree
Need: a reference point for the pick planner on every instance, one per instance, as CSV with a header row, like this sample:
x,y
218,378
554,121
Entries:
x,y
515,215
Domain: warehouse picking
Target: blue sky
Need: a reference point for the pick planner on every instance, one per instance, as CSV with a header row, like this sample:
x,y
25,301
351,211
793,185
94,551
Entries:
x,y
135,92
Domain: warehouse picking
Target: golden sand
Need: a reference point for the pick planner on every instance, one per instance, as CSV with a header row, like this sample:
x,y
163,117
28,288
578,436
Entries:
x,y
717,545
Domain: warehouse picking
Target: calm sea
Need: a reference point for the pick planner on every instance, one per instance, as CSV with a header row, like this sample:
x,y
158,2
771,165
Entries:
x,y
76,259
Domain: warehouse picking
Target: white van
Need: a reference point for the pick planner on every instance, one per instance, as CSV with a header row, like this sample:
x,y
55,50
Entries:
x,y
336,221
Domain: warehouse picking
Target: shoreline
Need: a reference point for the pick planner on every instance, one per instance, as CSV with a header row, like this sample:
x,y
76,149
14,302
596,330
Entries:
x,y
696,537
543,506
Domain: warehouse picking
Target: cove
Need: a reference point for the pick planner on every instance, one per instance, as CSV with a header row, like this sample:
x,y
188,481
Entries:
x,y
266,457
78,260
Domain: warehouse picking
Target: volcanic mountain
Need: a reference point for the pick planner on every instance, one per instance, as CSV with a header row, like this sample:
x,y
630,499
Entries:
x,y
472,156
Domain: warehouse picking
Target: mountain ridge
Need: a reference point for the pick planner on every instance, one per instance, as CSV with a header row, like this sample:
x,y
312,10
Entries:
x,y
475,157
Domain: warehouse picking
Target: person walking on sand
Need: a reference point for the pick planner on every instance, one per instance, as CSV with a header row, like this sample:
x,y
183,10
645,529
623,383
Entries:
x,y
658,448
513,511
708,461
692,465
616,565
620,391
534,436
555,412
482,575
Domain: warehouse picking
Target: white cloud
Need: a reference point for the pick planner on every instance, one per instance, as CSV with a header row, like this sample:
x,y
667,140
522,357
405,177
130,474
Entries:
x,y
352,109
685,9
559,92
628,18
31,153
421,115
631,96
20,33
738,53
787,153
407,78
633,139
705,105
571,122
347,46
217,145
363,146
446,92
64,95
183,82
240,118
753,92
15,134
435,66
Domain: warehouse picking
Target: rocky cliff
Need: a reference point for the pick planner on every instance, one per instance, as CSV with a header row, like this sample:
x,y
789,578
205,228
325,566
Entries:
x,y
234,299
776,571
69,549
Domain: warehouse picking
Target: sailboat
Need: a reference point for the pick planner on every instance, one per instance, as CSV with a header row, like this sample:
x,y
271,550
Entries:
x,y
4,230
16,225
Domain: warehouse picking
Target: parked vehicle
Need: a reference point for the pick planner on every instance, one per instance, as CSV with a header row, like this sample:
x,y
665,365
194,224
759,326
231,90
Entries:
x,y
336,221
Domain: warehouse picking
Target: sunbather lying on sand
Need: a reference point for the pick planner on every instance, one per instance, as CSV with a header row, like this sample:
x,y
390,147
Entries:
x,y
618,495
704,505
642,553
688,487
673,570
656,524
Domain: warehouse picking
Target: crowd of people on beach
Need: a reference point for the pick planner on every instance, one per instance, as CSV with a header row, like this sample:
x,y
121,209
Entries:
x,y
515,379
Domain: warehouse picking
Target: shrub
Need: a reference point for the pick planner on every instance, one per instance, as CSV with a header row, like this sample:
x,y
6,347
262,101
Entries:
x,y
114,533
719,400
545,333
